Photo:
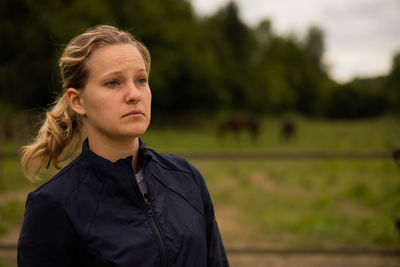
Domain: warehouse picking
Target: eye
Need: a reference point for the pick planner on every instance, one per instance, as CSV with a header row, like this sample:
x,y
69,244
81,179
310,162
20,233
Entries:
x,y
112,83
142,81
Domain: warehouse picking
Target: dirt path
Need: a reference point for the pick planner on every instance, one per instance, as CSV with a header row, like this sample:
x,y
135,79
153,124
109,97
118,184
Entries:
x,y
313,261
8,258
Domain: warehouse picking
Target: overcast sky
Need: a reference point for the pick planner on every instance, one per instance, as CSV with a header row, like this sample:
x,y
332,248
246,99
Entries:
x,y
361,36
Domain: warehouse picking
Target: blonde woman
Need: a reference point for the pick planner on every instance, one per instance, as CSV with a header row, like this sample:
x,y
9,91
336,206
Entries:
x,y
118,203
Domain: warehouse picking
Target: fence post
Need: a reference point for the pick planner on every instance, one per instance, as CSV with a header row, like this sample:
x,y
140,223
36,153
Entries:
x,y
1,150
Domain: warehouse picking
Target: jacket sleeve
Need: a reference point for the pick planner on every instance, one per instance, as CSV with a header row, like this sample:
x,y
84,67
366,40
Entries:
x,y
46,238
216,255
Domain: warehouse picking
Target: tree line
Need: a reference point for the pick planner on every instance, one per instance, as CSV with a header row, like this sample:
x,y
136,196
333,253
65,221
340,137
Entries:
x,y
201,65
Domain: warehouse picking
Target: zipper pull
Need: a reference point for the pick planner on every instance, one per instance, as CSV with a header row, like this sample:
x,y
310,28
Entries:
x,y
149,209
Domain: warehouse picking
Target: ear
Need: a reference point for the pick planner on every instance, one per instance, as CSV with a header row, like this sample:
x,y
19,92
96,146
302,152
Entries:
x,y
75,101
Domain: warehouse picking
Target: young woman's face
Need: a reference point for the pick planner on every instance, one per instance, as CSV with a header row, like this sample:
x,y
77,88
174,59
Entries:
x,y
116,99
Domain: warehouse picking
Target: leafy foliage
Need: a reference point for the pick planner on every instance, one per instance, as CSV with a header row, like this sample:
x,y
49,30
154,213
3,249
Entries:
x,y
201,64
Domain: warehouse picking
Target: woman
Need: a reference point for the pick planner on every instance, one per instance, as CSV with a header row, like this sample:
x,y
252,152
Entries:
x,y
118,203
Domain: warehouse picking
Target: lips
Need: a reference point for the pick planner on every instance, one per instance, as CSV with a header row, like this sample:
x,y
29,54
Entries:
x,y
134,113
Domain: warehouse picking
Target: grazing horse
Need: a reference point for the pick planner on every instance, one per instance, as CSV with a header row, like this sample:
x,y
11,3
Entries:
x,y
288,130
238,124
396,155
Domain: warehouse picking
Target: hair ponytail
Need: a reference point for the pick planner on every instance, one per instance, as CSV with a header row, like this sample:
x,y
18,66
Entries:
x,y
60,130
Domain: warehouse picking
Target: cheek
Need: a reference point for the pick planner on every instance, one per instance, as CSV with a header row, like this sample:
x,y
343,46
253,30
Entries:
x,y
96,105
149,98
92,106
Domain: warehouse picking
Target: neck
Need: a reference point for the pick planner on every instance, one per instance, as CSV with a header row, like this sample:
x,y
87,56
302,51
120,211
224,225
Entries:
x,y
114,150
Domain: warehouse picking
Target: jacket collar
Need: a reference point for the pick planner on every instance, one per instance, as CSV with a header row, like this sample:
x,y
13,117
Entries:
x,y
105,167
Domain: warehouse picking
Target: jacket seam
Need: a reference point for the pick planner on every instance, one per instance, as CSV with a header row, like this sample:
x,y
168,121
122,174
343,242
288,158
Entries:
x,y
198,185
97,206
180,195
66,214
163,165
171,168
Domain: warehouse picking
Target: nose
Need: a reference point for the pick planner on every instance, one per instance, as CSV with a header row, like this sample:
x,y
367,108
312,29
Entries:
x,y
132,94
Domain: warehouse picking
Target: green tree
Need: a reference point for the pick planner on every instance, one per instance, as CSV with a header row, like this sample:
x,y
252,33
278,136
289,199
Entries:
x,y
392,84
200,64
291,70
32,36
357,99
234,45
273,62
314,45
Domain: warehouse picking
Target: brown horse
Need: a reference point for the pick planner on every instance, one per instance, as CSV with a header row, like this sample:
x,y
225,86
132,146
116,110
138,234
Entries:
x,y
396,155
288,130
238,124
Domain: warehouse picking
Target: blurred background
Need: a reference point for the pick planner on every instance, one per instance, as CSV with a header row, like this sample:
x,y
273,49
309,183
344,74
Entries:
x,y
290,109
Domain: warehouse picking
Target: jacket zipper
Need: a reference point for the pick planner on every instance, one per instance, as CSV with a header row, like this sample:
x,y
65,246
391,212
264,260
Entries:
x,y
158,233
150,215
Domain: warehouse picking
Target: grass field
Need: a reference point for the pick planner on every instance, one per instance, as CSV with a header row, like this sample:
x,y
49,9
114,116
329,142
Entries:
x,y
276,202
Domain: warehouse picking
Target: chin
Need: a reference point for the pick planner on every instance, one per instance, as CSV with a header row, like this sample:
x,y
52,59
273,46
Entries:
x,y
138,131
133,129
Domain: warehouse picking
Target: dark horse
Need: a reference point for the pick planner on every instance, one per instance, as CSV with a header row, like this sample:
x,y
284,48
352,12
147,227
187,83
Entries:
x,y
238,124
288,130
396,157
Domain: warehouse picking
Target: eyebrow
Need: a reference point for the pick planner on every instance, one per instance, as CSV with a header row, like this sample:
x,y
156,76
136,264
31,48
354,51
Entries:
x,y
117,72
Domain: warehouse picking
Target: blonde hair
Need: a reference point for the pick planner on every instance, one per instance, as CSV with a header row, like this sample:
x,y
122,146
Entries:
x,y
61,132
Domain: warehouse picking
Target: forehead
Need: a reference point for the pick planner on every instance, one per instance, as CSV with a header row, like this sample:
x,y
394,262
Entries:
x,y
115,57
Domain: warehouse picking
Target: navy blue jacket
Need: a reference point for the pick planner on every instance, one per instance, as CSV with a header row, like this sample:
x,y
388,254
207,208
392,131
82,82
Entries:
x,y
93,214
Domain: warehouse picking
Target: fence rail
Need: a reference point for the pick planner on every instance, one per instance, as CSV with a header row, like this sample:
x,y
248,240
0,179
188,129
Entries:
x,y
271,155
8,155
286,251
287,155
317,251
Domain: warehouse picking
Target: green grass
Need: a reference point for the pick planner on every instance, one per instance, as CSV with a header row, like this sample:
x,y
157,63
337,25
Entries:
x,y
309,202
341,202
7,263
10,215
312,135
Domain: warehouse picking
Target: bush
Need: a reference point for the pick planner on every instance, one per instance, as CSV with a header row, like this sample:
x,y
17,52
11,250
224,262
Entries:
x,y
348,101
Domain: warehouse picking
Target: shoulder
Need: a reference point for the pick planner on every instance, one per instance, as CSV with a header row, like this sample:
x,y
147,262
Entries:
x,y
181,176
171,162
175,163
175,168
59,187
